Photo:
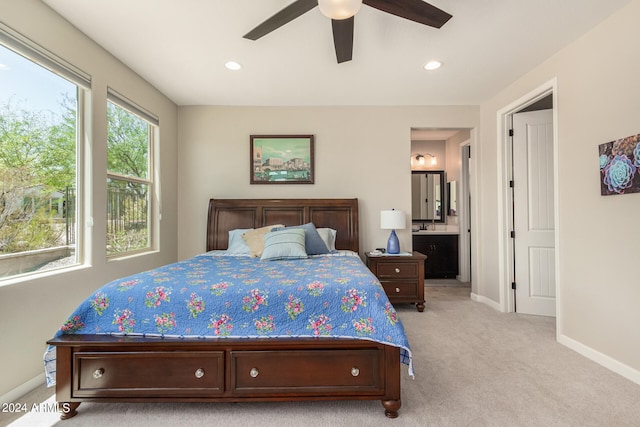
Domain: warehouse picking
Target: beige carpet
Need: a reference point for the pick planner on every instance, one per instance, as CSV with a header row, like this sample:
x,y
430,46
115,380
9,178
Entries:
x,y
474,367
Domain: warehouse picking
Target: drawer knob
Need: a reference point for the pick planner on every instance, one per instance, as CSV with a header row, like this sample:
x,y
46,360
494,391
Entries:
x,y
199,373
397,270
355,371
98,373
397,290
254,372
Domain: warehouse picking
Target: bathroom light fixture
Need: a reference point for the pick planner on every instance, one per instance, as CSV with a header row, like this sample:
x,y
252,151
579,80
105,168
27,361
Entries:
x,y
420,158
392,220
339,9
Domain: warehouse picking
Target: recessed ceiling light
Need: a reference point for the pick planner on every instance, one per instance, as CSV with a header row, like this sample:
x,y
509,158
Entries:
x,y
432,65
233,65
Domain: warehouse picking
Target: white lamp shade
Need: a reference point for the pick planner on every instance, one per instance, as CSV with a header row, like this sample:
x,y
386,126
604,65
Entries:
x,y
339,9
392,220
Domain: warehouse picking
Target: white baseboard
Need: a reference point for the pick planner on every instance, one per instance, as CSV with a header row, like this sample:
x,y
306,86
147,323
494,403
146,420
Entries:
x,y
15,394
601,359
491,303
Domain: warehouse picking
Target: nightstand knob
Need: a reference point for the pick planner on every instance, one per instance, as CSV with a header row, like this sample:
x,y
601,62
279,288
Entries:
x,y
98,373
397,290
254,372
397,270
199,373
355,371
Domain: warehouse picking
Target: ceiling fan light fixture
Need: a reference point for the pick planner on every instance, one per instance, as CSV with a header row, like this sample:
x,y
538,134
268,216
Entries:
x,y
432,65
339,9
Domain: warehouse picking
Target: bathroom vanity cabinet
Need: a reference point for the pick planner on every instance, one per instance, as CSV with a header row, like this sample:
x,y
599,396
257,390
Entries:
x,y
442,254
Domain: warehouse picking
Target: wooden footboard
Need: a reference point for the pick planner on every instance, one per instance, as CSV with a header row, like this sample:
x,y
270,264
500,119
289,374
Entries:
x,y
131,369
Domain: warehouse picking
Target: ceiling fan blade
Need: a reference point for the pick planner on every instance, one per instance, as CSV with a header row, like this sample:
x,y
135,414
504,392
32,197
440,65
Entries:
x,y
343,38
413,10
286,15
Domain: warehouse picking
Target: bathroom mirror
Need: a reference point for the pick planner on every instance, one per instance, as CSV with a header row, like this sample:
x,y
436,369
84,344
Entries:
x,y
427,196
452,198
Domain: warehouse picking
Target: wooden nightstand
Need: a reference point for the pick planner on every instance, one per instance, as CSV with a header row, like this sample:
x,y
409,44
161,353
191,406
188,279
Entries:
x,y
402,277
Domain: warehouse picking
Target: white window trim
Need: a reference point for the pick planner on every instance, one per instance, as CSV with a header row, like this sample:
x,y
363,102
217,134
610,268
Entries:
x,y
154,202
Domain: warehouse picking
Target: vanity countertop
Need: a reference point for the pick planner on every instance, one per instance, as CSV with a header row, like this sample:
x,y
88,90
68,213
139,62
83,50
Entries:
x,y
436,231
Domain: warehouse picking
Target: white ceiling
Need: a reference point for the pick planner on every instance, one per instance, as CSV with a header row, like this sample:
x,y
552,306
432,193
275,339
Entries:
x,y
180,46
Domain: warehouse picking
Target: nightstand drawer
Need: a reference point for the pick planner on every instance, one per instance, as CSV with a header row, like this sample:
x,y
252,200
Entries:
x,y
404,270
400,289
401,276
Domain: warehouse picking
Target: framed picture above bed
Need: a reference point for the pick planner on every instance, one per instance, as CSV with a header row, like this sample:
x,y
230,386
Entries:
x,y
282,159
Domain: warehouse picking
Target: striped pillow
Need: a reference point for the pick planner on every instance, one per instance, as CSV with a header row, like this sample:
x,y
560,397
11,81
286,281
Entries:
x,y
284,244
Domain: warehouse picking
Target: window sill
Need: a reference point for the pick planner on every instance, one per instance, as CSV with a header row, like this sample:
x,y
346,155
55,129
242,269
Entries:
x,y
29,277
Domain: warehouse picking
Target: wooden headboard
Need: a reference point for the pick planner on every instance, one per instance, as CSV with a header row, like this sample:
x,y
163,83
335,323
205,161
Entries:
x,y
229,214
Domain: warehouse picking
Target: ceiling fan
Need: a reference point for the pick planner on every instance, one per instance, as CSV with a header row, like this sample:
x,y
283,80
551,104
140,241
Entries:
x,y
342,14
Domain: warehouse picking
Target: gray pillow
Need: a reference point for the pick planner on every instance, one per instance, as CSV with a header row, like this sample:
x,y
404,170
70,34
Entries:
x,y
313,243
283,244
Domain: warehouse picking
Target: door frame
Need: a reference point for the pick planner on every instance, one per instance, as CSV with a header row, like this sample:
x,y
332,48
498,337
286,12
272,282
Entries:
x,y
505,198
464,251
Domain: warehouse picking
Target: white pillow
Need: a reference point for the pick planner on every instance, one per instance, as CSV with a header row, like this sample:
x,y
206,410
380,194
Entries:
x,y
284,244
328,236
237,245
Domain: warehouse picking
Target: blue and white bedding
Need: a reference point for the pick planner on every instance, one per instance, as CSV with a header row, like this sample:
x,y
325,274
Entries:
x,y
217,296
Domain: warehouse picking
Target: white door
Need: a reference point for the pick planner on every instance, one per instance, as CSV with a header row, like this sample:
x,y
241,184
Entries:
x,y
534,213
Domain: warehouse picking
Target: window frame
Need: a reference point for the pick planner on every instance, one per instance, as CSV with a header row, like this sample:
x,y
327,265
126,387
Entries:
x,y
153,124
40,56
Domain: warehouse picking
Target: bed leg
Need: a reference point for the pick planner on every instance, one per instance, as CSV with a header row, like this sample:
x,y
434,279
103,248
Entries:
x,y
391,408
68,410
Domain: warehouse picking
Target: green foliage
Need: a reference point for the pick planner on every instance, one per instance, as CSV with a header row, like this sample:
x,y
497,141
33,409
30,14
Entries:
x,y
38,148
127,143
38,157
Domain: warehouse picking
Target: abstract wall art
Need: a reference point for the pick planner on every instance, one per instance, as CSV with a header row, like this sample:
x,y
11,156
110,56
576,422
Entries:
x,y
620,166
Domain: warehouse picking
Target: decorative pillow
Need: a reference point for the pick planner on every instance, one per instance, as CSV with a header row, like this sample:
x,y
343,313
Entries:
x,y
255,239
237,246
284,244
313,243
328,236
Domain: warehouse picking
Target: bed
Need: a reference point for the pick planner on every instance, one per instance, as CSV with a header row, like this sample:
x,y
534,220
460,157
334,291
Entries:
x,y
215,365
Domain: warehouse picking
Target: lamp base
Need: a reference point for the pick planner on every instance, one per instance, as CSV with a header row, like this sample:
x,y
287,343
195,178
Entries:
x,y
393,244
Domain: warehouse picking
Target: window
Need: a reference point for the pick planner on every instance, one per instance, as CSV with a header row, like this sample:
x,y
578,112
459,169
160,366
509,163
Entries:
x,y
40,120
130,133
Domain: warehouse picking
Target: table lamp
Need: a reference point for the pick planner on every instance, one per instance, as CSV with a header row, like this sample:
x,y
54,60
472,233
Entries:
x,y
392,220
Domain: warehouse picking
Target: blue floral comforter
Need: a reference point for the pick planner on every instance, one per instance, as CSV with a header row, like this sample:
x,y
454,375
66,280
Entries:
x,y
217,296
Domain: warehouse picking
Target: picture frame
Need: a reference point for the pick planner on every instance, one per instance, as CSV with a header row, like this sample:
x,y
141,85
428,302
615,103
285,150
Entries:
x,y
620,166
282,159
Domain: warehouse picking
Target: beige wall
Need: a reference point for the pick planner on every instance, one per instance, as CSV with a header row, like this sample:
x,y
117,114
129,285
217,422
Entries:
x,y
31,311
597,96
454,154
361,152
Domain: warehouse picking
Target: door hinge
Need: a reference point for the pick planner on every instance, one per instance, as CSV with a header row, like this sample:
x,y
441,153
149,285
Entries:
x,y
513,234
511,184
510,132
513,285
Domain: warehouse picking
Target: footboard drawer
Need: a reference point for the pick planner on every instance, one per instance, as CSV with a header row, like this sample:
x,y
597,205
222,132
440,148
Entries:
x,y
154,373
302,372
